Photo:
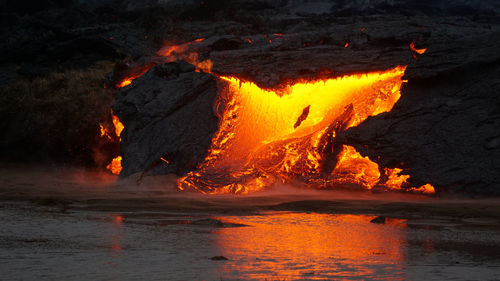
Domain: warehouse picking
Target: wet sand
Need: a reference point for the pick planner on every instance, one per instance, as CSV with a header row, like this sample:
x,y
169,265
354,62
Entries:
x,y
67,223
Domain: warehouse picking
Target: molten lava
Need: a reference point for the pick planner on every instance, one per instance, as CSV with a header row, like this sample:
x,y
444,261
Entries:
x,y
183,51
136,72
418,51
104,132
125,82
118,125
288,135
331,247
115,166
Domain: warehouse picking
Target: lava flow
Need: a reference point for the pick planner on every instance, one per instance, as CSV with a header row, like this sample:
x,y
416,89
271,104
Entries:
x,y
172,53
288,135
115,166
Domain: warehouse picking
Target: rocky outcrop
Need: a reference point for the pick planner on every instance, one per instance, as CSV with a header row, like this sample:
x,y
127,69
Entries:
x,y
445,129
169,119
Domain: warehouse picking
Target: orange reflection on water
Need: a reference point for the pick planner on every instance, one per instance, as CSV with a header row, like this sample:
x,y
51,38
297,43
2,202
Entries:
x,y
116,235
297,246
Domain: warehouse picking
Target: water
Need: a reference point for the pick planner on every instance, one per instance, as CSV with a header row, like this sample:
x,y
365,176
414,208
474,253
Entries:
x,y
38,243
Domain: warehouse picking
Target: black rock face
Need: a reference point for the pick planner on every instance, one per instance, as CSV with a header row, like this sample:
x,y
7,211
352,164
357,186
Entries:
x,y
445,129
169,119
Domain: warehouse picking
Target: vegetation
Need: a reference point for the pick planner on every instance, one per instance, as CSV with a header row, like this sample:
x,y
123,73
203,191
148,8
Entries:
x,y
56,116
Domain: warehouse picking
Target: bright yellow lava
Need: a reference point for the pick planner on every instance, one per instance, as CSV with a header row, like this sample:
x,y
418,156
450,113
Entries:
x,y
287,135
115,166
265,116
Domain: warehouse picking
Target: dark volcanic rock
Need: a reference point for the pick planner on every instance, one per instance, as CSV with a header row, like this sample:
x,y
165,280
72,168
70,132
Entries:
x,y
208,222
167,113
379,220
219,258
445,130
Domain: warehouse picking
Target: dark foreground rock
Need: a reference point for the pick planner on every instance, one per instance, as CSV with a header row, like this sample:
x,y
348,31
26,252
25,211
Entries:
x,y
379,220
169,119
219,258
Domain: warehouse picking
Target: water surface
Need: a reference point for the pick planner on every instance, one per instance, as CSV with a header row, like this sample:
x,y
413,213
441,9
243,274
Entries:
x,y
38,243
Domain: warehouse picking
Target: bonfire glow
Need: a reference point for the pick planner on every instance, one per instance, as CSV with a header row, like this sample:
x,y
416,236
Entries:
x,y
288,135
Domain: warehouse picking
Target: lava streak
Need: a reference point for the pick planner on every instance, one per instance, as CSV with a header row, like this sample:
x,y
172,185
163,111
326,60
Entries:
x,y
115,166
118,125
185,52
287,135
418,51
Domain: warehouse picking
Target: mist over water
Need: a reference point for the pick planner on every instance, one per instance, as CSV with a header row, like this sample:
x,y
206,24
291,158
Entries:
x,y
76,182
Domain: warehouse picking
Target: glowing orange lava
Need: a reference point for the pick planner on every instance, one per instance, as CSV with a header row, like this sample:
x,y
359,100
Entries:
x,y
418,51
104,132
118,125
182,51
125,82
115,166
424,189
288,135
135,72
169,50
395,180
